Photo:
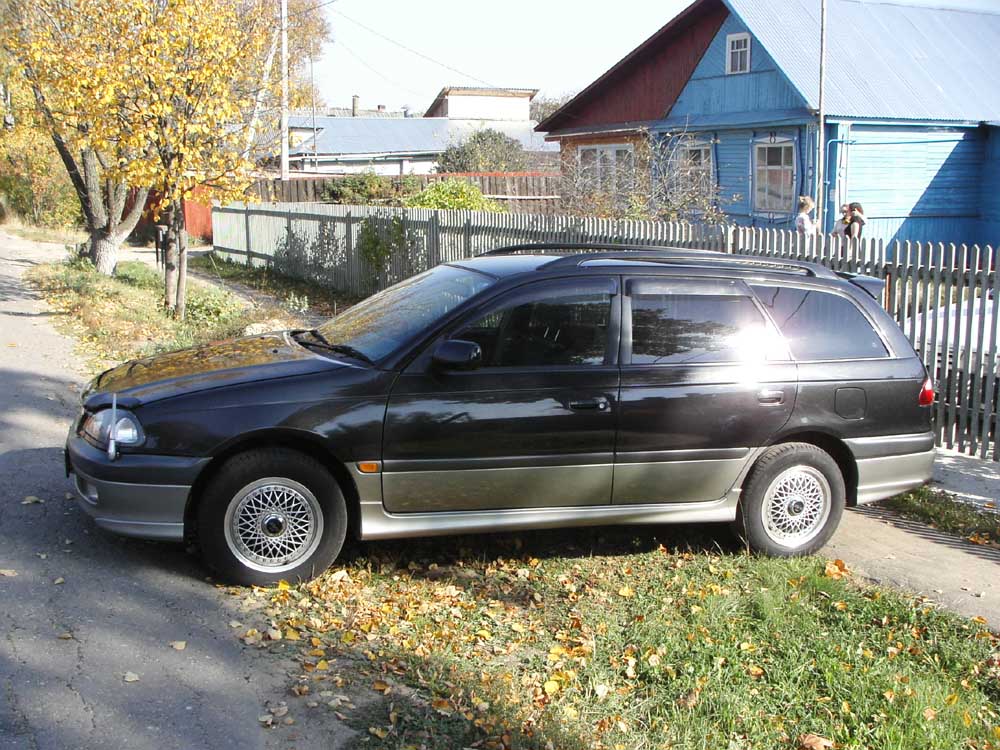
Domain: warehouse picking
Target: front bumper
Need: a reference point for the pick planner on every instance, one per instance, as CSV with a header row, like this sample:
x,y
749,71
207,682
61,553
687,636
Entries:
x,y
136,495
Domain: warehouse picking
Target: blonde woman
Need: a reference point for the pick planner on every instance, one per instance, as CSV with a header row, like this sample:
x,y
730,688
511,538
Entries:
x,y
804,222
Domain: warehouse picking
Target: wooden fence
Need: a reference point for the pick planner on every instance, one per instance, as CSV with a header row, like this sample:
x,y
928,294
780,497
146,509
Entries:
x,y
527,192
945,297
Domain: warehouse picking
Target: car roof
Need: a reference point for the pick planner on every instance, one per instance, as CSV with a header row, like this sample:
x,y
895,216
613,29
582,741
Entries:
x,y
514,260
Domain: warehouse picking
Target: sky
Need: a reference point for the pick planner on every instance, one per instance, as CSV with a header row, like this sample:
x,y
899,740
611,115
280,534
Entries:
x,y
559,46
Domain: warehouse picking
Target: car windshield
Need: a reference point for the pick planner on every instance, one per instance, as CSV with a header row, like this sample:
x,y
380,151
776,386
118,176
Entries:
x,y
382,323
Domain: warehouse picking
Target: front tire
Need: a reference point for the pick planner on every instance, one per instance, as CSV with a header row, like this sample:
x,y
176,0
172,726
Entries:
x,y
270,514
792,502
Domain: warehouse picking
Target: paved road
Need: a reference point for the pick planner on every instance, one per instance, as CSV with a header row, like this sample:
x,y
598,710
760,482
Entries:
x,y
121,601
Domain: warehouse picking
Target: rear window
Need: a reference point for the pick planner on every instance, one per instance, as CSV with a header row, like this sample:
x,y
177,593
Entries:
x,y
819,325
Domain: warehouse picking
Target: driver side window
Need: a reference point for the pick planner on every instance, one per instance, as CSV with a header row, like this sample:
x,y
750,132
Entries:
x,y
568,329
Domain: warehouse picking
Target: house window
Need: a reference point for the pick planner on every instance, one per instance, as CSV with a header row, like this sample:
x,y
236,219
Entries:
x,y
696,161
774,177
738,53
608,167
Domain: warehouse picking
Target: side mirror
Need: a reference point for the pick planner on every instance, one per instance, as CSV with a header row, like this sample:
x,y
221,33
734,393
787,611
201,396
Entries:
x,y
456,354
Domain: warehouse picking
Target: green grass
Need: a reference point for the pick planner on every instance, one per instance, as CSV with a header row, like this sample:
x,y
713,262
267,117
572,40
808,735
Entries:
x,y
122,317
942,511
43,234
607,639
295,293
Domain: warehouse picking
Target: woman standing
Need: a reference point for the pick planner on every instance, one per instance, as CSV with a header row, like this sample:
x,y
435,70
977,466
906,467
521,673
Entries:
x,y
803,222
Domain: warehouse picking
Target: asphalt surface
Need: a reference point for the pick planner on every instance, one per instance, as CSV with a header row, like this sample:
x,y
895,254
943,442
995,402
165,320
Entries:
x,y
85,607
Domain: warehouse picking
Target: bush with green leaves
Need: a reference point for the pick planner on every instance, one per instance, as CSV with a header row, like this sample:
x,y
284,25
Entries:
x,y
485,150
368,189
453,194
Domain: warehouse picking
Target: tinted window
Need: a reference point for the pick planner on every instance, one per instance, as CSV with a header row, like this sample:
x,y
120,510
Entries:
x,y
566,329
819,325
688,328
383,322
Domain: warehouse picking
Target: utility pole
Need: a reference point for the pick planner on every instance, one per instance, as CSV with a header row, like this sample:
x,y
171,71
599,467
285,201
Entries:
x,y
821,136
284,89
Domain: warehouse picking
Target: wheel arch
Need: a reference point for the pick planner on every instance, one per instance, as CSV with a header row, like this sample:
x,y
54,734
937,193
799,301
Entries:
x,y
838,451
302,441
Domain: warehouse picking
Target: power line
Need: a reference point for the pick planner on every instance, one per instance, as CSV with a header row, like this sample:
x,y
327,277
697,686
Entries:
x,y
380,74
411,50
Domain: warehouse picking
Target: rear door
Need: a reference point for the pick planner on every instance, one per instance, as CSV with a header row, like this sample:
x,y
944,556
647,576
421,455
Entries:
x,y
706,378
533,427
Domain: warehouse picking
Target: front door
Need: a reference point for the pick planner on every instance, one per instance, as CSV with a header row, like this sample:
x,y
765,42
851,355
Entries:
x,y
705,379
533,427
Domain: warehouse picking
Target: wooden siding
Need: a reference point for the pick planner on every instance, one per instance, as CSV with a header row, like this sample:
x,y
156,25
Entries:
x,y
732,151
990,191
710,91
917,183
645,84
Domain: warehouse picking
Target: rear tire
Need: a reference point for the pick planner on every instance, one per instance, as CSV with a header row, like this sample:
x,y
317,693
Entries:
x,y
792,502
270,514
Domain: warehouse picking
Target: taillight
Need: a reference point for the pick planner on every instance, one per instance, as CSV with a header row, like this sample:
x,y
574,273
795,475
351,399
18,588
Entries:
x,y
926,397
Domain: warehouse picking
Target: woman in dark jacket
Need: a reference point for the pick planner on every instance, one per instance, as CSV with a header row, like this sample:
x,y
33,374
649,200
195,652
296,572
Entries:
x,y
856,221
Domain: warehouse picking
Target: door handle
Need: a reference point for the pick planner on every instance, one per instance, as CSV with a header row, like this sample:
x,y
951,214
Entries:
x,y
770,396
597,404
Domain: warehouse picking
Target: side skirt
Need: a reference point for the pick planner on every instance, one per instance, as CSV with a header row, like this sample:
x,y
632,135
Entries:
x,y
376,523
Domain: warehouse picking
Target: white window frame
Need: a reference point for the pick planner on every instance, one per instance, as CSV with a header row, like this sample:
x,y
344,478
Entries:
x,y
707,164
730,40
783,142
612,150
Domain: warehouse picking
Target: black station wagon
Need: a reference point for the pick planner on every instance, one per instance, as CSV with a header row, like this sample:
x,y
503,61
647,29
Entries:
x,y
532,387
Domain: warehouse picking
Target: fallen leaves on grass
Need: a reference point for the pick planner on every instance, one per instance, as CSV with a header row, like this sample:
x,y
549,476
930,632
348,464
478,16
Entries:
x,y
811,741
836,569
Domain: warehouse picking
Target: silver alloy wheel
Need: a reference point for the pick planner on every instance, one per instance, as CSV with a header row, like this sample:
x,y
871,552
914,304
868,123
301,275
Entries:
x,y
273,524
796,506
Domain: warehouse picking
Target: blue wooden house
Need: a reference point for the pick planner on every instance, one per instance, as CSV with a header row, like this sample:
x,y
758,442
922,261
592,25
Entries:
x,y
911,127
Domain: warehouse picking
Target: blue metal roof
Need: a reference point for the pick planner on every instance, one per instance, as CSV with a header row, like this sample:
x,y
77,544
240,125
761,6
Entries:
x,y
373,135
403,135
887,60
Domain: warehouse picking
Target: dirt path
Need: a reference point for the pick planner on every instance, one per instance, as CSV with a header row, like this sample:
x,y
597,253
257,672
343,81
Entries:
x,y
85,607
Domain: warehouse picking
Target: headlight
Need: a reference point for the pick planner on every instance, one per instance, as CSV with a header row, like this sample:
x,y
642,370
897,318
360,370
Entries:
x,y
127,430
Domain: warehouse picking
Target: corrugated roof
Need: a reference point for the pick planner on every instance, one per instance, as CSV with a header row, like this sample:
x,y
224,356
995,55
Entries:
x,y
373,135
892,60
411,135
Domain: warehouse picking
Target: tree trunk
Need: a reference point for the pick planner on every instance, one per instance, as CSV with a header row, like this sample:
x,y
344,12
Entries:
x,y
181,232
103,252
170,264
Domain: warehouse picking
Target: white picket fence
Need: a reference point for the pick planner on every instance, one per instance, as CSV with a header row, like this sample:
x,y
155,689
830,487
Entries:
x,y
944,296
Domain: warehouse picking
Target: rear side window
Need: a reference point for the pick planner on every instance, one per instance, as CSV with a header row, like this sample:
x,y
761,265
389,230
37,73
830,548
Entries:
x,y
693,328
819,325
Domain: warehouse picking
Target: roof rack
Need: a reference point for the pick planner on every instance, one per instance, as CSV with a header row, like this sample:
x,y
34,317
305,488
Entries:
x,y
577,253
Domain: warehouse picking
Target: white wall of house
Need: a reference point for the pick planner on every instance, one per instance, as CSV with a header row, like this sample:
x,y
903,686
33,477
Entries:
x,y
476,107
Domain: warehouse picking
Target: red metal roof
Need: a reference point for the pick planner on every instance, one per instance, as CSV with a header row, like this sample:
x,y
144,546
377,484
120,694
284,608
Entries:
x,y
643,85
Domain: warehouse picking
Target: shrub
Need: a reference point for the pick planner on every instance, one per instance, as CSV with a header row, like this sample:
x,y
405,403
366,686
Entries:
x,y
485,151
452,194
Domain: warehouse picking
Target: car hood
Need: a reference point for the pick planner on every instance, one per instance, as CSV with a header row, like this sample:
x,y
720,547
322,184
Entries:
x,y
200,368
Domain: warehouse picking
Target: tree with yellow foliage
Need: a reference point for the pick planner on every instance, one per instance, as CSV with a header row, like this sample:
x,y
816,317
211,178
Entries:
x,y
167,95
